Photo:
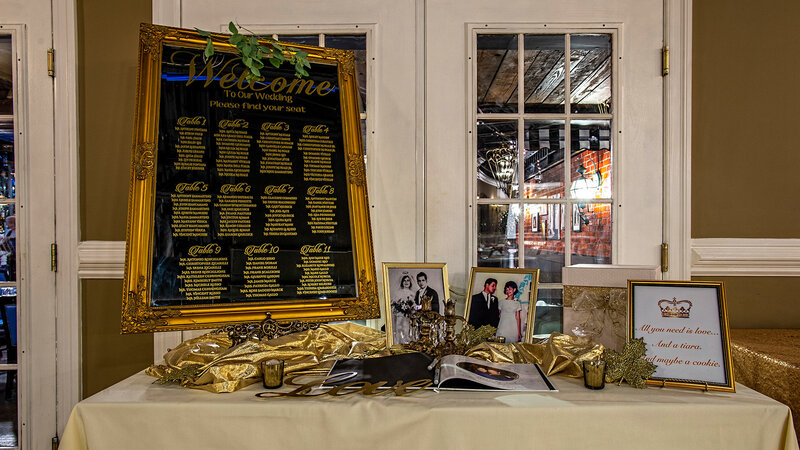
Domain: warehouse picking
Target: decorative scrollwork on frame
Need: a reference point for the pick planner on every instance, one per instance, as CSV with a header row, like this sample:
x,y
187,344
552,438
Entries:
x,y
265,330
366,306
346,60
137,317
356,171
152,38
144,166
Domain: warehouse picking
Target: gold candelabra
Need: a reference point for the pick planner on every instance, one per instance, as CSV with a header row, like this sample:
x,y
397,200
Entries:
x,y
434,333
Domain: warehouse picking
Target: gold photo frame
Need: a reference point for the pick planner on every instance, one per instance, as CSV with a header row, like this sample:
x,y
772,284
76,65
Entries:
x,y
402,284
685,328
328,271
518,286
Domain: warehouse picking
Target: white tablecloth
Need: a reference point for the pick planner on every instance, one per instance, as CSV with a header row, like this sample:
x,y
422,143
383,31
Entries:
x,y
136,414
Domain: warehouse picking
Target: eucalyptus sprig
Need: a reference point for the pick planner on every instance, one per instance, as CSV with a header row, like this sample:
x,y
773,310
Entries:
x,y
253,52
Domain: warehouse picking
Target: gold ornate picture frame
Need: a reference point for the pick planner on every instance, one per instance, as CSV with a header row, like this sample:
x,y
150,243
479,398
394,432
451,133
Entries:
x,y
403,284
511,306
684,325
222,174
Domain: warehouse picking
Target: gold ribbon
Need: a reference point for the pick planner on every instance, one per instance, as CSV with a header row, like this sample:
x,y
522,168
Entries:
x,y
221,368
562,354
208,362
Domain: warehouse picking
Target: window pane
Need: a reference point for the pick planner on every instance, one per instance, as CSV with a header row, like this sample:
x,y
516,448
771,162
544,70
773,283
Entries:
x,y
307,39
549,312
544,240
590,73
7,188
7,167
591,233
8,378
497,159
6,98
497,73
364,138
591,159
8,243
497,235
358,44
544,73
8,252
544,159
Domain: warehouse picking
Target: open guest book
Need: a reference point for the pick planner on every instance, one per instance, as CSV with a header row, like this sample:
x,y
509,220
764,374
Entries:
x,y
451,372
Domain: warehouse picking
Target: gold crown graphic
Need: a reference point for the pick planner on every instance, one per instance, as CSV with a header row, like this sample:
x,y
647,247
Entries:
x,y
675,308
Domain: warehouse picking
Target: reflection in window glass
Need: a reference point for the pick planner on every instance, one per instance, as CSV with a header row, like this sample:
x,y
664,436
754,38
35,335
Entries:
x,y
548,312
565,191
358,45
8,243
544,240
497,73
591,160
7,168
307,39
591,233
9,418
497,159
590,73
544,73
544,159
497,235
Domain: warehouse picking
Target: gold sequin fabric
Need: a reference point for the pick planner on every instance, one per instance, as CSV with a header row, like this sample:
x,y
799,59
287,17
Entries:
x,y
769,362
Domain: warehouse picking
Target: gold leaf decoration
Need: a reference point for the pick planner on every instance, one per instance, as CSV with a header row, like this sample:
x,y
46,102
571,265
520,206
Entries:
x,y
630,365
179,375
265,330
136,316
144,166
366,306
152,37
357,172
345,58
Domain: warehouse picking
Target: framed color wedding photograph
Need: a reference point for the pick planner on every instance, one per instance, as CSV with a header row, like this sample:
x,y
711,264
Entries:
x,y
504,299
404,286
685,327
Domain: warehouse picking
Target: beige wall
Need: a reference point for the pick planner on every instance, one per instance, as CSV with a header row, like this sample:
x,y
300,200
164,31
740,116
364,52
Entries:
x,y
745,113
107,49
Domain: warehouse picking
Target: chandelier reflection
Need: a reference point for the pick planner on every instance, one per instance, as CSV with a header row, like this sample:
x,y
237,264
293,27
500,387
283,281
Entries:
x,y
503,164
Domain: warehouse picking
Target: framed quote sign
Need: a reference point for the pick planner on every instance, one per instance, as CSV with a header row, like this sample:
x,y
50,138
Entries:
x,y
247,197
685,327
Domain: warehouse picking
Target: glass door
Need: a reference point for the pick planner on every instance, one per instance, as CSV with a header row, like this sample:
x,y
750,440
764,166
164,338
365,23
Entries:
x,y
8,253
27,208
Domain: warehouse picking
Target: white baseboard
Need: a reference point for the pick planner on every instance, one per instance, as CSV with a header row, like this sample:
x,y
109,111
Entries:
x,y
101,259
746,257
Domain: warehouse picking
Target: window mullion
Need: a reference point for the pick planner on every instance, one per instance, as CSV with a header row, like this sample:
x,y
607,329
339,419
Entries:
x,y
521,149
567,157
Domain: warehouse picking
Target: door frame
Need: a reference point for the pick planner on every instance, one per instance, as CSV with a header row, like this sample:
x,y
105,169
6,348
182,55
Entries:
x,y
677,202
34,111
67,211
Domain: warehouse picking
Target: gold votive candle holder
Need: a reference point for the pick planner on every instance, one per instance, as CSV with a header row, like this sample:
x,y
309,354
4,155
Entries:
x,y
594,374
272,371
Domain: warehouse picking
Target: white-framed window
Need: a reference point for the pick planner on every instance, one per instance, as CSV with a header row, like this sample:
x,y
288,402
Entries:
x,y
542,98
355,41
358,43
